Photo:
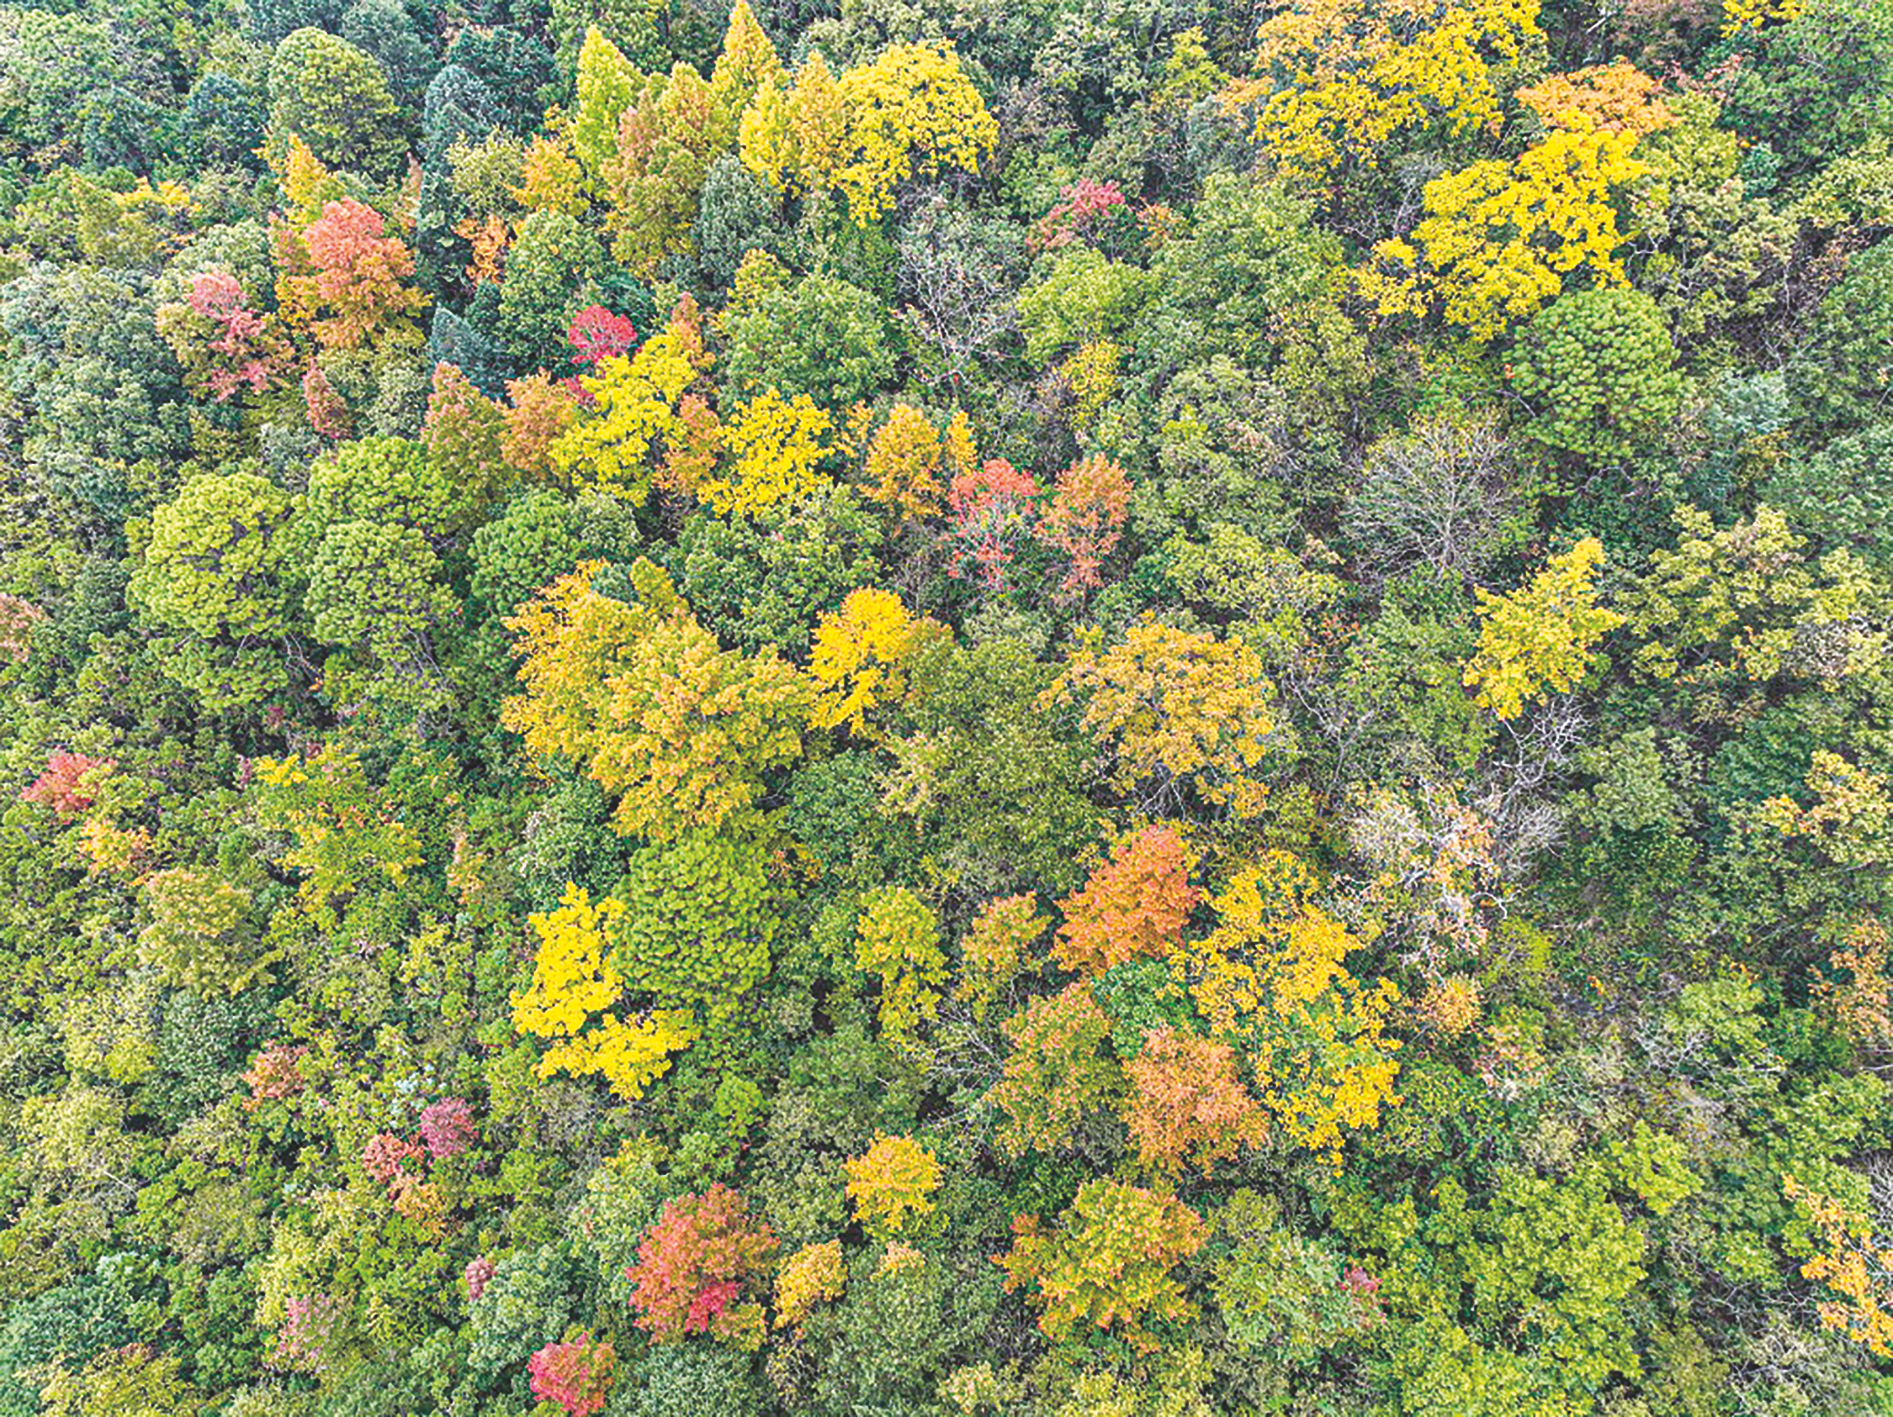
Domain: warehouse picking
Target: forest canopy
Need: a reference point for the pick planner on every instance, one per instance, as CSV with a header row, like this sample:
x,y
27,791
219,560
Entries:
x,y
881,708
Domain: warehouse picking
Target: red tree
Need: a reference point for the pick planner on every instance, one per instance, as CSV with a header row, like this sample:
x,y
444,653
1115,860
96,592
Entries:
x,y
358,289
447,1128
694,1265
988,511
68,783
576,1375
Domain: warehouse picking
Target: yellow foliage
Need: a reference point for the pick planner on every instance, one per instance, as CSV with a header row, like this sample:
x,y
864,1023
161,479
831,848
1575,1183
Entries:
x,y
1753,14
1541,637
1611,98
635,404
1177,705
1856,1270
1363,73
573,980
894,1176
910,113
1499,239
776,444
811,1275
897,939
645,697
1092,373
859,657
1271,978
904,463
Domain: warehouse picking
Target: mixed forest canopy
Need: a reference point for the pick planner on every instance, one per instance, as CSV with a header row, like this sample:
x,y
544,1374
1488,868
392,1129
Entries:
x,y
936,708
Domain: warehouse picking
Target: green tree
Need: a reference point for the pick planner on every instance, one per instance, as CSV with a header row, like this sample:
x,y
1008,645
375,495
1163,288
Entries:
x,y
1599,370
335,98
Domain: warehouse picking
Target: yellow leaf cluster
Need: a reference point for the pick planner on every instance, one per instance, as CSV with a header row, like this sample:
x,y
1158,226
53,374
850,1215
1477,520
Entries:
x,y
1177,705
1858,1272
1272,979
776,444
1499,239
648,700
891,1178
634,404
573,981
1541,637
859,657
912,112
904,463
897,939
1363,73
813,1274
1739,15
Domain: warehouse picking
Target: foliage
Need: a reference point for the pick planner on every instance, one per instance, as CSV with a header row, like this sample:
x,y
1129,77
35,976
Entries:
x,y
1541,637
894,1176
1108,1263
1598,364
1134,904
696,1267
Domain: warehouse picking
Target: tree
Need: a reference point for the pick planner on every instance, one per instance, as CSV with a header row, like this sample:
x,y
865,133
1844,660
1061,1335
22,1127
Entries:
x,y
643,697
1541,637
355,292
989,511
1108,1263
1364,76
819,336
995,949
666,142
1840,376
697,1264
813,1274
1055,1072
859,658
777,446
1134,905
576,1374
1853,1268
1085,518
335,98
575,1000
1272,980
891,1178
1186,1104
1179,708
607,85
1438,495
698,921
1598,366
199,936
903,465
552,262
1501,239
897,939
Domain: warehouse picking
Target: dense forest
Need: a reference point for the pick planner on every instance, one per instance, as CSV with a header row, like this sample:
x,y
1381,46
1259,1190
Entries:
x,y
941,708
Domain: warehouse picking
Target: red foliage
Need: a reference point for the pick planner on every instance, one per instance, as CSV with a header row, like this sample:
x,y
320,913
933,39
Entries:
x,y
387,1155
596,334
1134,904
247,357
1080,207
273,1075
18,616
576,1375
63,786
360,276
447,1128
328,415
694,1264
1085,518
478,1274
988,510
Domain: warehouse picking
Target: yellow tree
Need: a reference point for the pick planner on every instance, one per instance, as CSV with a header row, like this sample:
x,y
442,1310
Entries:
x,y
897,939
1272,981
1856,1270
575,1001
634,404
903,465
1542,637
895,1176
655,709
1500,239
1176,707
776,444
860,657
1362,73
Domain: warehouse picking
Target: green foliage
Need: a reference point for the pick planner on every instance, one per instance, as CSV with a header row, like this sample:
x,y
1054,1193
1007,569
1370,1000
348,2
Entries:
x,y
1597,366
335,98
820,336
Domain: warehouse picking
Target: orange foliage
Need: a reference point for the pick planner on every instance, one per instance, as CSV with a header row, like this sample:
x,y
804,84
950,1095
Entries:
x,y
1134,904
1056,1072
1187,1104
